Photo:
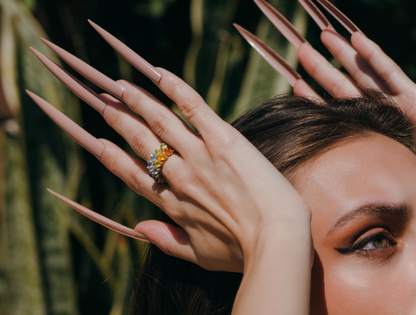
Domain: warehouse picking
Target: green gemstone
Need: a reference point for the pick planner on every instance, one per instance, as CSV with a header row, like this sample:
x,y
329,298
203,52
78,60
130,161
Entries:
x,y
158,151
163,146
157,163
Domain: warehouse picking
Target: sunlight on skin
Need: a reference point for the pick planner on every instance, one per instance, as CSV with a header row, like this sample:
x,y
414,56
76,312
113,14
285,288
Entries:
x,y
371,279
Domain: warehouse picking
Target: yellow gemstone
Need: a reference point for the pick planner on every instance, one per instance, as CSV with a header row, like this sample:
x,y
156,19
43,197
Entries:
x,y
161,157
157,164
163,146
158,151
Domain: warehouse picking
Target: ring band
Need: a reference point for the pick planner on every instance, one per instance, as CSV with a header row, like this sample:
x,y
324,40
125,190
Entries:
x,y
154,165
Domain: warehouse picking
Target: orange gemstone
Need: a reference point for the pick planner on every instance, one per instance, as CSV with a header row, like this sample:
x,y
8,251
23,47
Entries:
x,y
167,152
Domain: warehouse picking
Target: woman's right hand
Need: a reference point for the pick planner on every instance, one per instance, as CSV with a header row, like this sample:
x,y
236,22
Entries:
x,y
368,67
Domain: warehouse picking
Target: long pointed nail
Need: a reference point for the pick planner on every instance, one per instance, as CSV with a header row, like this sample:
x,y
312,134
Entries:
x,y
277,62
87,71
112,225
134,59
337,14
281,23
316,14
86,140
76,86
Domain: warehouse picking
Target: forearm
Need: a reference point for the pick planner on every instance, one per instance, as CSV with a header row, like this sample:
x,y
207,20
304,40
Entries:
x,y
277,276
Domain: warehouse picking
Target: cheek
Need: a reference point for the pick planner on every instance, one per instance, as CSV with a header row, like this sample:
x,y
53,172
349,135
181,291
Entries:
x,y
361,287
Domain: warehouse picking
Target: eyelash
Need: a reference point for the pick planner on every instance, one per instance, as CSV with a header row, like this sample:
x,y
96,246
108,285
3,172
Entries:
x,y
357,248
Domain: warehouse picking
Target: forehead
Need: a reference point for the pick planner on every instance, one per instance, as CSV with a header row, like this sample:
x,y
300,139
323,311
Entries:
x,y
359,171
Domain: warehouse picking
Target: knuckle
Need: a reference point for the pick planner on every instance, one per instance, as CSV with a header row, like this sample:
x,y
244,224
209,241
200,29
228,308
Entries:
x,y
339,85
172,86
113,119
109,159
133,98
188,107
135,181
138,143
160,124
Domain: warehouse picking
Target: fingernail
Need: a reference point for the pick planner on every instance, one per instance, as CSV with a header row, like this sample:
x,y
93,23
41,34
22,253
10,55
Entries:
x,y
134,59
277,62
72,129
87,71
337,14
281,23
112,225
76,86
316,14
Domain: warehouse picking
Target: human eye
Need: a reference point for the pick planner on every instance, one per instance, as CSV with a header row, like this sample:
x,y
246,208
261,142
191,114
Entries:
x,y
375,242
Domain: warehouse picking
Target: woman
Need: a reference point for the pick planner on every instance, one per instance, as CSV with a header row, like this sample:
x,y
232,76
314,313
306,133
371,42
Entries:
x,y
235,212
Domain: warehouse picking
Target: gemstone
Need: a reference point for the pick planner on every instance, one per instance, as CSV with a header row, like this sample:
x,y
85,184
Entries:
x,y
163,146
154,169
153,157
158,151
167,152
157,163
149,163
161,157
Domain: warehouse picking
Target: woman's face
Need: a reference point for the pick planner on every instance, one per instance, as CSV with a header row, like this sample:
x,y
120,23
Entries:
x,y
363,200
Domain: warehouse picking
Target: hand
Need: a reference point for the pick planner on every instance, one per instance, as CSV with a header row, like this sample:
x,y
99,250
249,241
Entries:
x,y
368,66
222,192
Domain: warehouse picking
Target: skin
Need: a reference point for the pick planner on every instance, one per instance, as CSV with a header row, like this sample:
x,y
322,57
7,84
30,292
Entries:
x,y
371,280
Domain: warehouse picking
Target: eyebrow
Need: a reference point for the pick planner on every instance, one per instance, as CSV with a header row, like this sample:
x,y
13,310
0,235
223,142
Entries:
x,y
373,210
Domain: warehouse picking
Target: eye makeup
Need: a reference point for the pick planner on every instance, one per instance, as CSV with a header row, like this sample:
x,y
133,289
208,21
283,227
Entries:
x,y
374,242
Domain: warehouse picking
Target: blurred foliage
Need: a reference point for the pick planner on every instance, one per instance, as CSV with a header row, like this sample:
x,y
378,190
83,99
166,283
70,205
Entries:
x,y
53,260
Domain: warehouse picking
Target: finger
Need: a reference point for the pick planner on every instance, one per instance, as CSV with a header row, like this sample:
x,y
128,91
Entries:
x,y
338,84
388,71
104,221
356,66
162,121
131,127
335,82
189,102
170,239
136,132
278,63
133,172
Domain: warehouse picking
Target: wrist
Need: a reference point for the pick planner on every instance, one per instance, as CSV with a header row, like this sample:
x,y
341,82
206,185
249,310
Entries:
x,y
288,238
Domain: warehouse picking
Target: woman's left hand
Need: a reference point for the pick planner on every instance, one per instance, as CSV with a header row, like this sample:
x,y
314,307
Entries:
x,y
222,192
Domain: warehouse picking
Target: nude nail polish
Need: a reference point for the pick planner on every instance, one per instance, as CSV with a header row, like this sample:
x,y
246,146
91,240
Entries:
x,y
337,14
77,133
316,14
112,225
277,62
87,71
281,23
76,86
134,59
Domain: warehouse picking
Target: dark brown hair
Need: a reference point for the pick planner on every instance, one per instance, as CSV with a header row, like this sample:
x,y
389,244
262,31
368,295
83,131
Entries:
x,y
289,131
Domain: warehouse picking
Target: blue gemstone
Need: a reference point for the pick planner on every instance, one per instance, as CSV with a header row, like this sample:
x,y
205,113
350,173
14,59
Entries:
x,y
153,157
154,169
149,163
